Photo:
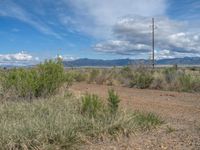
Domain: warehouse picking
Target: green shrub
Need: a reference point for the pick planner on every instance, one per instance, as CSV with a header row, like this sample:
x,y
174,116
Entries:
x,y
80,77
50,77
146,121
196,84
91,104
189,83
43,80
22,82
141,80
170,74
93,75
69,78
126,72
113,101
185,82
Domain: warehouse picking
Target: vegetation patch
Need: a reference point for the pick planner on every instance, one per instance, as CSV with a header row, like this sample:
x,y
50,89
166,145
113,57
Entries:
x,y
143,77
141,80
146,121
43,80
67,122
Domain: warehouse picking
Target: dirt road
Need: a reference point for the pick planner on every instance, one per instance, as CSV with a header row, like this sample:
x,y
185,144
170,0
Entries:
x,y
180,111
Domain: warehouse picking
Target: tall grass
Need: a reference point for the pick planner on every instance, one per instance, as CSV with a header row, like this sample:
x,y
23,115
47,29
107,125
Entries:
x,y
58,123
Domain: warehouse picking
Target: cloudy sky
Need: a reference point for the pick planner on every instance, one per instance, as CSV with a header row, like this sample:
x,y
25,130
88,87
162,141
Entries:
x,y
34,30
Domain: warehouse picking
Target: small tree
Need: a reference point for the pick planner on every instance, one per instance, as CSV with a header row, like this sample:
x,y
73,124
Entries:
x,y
91,104
113,101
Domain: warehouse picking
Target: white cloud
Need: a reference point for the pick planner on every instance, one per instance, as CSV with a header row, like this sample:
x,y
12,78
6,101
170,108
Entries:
x,y
66,57
116,20
69,57
107,12
21,58
185,42
121,47
172,39
167,54
16,57
96,17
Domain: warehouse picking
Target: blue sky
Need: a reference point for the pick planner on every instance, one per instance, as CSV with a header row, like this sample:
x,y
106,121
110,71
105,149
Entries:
x,y
34,30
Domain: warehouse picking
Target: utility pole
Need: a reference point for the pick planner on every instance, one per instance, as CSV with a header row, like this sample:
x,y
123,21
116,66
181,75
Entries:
x,y
153,60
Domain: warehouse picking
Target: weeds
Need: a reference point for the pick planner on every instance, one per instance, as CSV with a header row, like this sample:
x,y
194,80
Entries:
x,y
57,123
170,129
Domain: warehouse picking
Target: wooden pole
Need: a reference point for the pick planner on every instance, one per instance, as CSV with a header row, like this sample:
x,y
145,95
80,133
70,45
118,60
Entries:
x,y
153,55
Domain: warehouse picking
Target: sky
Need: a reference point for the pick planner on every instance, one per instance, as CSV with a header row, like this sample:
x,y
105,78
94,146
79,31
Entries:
x,y
34,30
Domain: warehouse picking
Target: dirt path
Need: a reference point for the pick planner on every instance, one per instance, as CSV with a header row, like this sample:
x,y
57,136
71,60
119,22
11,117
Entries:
x,y
181,112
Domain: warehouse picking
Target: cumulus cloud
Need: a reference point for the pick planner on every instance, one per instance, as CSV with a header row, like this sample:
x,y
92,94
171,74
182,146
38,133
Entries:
x,y
17,59
121,47
95,17
107,13
171,37
66,57
116,23
168,54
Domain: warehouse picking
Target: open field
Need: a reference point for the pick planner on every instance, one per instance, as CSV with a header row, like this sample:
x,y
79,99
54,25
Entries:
x,y
100,75
181,112
48,107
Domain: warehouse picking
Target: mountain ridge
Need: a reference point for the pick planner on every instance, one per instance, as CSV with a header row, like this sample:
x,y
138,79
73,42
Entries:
x,y
123,62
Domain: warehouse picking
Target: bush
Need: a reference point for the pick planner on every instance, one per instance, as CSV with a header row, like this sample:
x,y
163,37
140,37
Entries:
x,y
80,76
126,72
113,101
93,75
69,78
50,77
170,74
189,83
141,80
146,121
20,82
44,80
91,104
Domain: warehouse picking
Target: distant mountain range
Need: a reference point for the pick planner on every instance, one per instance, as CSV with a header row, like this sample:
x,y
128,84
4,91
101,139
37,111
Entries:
x,y
123,62
85,62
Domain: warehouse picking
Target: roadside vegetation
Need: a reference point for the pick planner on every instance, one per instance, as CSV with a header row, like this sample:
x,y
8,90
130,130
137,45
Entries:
x,y
171,79
34,115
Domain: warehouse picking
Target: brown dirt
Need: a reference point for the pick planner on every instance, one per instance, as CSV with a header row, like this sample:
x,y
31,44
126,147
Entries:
x,y
180,111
